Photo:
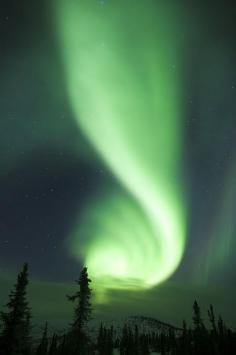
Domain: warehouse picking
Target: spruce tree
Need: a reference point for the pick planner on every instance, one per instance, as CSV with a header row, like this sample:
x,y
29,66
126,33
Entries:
x,y
105,341
53,345
200,334
185,340
83,307
101,340
43,346
82,314
15,329
211,316
197,321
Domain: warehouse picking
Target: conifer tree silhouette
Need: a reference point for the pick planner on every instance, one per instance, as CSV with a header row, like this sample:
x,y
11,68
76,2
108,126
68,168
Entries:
x,y
53,346
197,320
82,314
15,336
43,346
83,308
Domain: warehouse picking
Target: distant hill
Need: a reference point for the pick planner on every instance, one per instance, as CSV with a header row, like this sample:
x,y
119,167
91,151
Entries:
x,y
145,325
152,324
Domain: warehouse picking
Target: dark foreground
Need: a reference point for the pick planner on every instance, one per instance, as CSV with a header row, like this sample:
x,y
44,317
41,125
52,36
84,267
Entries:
x,y
132,338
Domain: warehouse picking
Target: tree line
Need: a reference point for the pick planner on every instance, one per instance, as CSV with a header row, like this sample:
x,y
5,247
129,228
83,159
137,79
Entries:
x,y
16,330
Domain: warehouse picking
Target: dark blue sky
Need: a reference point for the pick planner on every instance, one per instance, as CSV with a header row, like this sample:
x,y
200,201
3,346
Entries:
x,y
48,171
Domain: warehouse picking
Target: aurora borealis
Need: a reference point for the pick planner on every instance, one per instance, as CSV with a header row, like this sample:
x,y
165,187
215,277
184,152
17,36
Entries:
x,y
129,105
118,149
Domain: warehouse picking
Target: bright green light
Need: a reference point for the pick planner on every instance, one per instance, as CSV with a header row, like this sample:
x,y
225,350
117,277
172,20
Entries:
x,y
122,63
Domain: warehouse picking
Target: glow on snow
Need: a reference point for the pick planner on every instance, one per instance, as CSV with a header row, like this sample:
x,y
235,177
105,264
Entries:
x,y
122,64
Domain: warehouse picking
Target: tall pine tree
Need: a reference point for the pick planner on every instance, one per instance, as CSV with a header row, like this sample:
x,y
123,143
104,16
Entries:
x,y
43,346
15,329
82,314
83,308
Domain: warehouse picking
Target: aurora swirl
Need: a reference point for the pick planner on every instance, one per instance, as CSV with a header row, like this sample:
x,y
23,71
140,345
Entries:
x,y
122,65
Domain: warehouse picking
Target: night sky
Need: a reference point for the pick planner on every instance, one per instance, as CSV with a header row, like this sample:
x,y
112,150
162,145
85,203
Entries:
x,y
118,150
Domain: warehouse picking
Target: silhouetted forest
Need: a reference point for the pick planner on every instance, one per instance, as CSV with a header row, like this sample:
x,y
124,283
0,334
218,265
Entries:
x,y
16,331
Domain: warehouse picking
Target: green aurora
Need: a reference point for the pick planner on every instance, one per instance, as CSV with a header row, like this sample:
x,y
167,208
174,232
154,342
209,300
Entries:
x,y
123,68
